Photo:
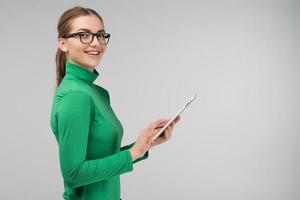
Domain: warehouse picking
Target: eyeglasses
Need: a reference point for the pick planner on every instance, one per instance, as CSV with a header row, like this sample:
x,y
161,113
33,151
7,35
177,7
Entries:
x,y
88,37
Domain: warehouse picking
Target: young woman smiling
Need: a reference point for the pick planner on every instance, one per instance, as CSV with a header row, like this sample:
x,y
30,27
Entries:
x,y
85,126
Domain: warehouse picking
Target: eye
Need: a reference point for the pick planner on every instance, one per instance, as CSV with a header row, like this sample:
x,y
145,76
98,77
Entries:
x,y
100,35
85,35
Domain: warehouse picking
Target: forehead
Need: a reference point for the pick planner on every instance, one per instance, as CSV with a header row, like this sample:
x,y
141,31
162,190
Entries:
x,y
90,22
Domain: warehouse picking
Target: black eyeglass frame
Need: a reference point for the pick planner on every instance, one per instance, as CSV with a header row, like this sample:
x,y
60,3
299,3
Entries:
x,y
106,36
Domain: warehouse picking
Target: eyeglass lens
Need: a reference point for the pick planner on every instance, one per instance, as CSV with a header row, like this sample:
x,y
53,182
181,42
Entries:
x,y
89,37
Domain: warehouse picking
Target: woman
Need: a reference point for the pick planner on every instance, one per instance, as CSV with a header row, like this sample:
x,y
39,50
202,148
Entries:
x,y
87,131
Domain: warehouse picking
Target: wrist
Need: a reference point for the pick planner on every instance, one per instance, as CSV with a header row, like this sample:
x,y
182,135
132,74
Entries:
x,y
134,154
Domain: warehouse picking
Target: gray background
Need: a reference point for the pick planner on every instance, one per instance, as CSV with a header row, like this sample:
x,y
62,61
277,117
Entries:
x,y
238,140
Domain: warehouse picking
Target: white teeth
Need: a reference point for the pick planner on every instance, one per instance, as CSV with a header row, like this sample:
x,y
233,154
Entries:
x,y
93,52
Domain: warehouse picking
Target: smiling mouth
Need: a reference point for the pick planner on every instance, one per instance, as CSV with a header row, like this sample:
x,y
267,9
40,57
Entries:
x,y
93,53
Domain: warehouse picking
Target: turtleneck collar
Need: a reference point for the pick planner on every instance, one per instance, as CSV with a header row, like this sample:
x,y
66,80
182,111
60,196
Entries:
x,y
76,71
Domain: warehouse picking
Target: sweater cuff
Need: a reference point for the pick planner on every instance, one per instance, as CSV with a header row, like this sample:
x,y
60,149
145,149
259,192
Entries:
x,y
127,147
129,159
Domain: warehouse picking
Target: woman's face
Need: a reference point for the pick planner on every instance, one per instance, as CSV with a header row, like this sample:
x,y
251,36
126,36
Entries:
x,y
86,55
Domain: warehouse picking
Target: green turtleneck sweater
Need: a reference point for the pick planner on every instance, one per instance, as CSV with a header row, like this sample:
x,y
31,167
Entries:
x,y
89,138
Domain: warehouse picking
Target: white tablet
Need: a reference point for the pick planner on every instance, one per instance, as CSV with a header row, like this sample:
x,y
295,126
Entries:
x,y
173,118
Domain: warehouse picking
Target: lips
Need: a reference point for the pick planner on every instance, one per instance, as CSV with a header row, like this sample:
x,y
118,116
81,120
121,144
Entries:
x,y
93,53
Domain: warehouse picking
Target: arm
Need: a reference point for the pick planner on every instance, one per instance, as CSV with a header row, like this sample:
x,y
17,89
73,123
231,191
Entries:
x,y
74,114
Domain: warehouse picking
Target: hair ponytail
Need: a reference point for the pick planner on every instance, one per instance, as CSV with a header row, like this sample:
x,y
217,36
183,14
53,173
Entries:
x,y
63,28
60,66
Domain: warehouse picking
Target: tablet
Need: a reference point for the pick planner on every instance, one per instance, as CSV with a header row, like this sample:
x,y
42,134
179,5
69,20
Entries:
x,y
174,117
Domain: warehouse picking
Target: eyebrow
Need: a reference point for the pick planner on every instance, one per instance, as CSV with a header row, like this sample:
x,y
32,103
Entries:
x,y
88,30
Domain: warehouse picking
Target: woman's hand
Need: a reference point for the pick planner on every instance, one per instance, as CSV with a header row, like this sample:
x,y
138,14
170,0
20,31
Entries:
x,y
144,141
166,135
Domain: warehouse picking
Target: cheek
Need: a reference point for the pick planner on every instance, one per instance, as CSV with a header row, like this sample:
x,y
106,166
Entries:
x,y
104,48
76,53
76,50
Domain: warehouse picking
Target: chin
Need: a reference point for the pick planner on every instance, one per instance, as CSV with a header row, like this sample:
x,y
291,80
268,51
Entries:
x,y
91,63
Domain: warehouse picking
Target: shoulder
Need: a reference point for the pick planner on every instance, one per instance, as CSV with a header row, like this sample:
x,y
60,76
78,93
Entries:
x,y
75,95
70,101
70,96
76,98
75,104
69,90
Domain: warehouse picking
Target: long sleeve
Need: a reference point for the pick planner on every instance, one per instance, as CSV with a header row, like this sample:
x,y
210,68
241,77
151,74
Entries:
x,y
145,156
74,114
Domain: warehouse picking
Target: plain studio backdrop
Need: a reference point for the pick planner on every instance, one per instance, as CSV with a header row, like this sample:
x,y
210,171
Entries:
x,y
238,140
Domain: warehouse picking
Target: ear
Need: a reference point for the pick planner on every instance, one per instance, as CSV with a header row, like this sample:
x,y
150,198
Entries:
x,y
62,44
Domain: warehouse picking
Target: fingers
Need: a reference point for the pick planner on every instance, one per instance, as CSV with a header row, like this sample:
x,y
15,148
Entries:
x,y
167,133
177,119
160,123
157,123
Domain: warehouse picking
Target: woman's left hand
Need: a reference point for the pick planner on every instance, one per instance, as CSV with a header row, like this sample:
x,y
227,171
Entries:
x,y
166,135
